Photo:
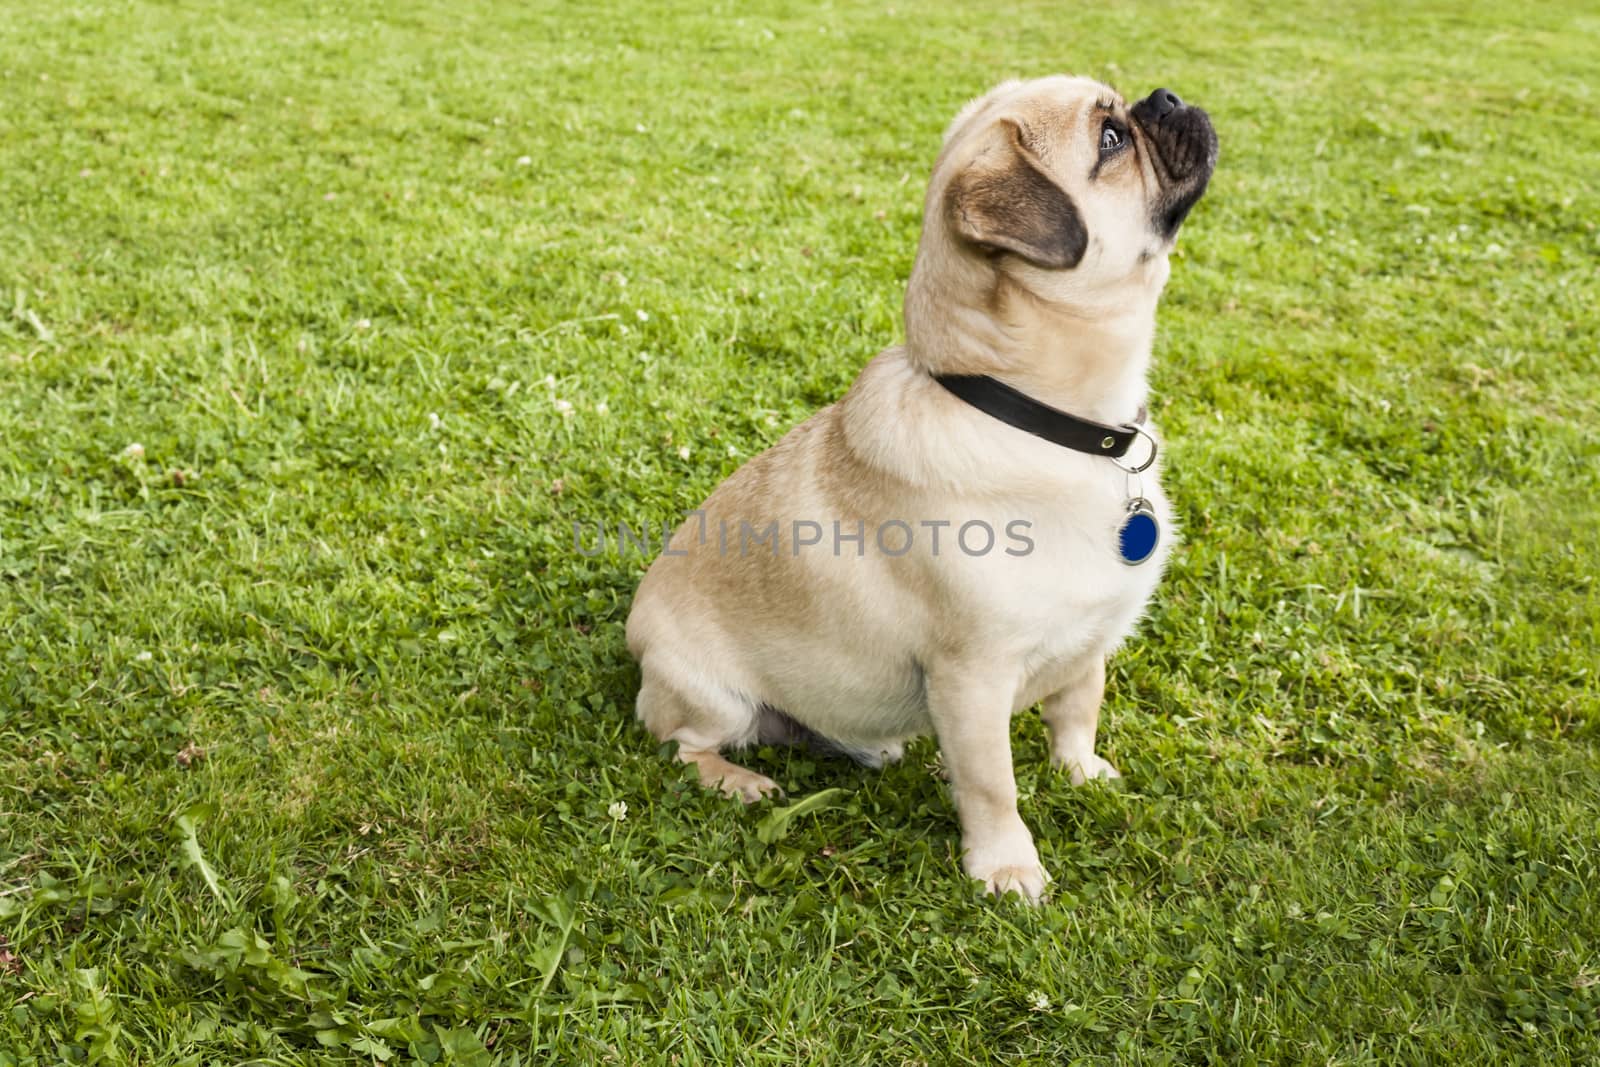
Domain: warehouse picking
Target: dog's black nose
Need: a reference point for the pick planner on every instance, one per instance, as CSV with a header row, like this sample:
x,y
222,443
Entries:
x,y
1161,103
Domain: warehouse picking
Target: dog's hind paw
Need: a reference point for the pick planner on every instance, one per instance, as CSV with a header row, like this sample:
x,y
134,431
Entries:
x,y
748,786
728,778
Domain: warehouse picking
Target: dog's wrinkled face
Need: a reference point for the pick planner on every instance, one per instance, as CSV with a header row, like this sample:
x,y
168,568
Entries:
x,y
1070,189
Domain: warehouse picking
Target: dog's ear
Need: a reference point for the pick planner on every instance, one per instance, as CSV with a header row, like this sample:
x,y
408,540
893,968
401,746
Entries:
x,y
1004,201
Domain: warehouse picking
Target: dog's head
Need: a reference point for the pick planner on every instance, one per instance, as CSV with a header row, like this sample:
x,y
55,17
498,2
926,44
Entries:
x,y
1061,186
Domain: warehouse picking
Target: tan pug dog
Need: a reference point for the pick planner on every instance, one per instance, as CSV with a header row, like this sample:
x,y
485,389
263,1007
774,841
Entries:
x,y
909,560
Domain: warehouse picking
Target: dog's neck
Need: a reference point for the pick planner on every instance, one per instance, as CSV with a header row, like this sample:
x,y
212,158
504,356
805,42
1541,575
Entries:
x,y
1089,360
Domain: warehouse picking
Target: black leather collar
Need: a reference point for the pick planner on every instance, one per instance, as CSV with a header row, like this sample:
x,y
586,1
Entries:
x,y
1025,413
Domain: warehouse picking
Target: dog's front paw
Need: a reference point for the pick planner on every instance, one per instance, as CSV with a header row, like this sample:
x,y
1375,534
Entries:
x,y
1014,870
1082,768
1026,882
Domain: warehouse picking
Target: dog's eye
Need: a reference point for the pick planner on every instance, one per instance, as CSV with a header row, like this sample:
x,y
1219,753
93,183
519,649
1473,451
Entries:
x,y
1111,138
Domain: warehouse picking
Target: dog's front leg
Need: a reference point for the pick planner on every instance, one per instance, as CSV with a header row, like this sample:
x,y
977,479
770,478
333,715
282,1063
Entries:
x,y
971,710
1072,715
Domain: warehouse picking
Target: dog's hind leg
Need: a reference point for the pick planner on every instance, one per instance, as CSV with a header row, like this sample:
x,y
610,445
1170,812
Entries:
x,y
703,720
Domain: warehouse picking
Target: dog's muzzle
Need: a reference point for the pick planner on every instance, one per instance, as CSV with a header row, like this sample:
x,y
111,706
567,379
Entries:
x,y
1184,146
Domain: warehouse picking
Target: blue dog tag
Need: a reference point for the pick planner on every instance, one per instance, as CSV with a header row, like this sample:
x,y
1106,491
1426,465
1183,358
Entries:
x,y
1140,533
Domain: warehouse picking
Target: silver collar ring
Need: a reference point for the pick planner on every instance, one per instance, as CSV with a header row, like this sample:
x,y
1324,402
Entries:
x,y
1148,460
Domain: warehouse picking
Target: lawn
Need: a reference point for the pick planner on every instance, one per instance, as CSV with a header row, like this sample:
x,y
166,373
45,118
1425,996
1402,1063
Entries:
x,y
320,325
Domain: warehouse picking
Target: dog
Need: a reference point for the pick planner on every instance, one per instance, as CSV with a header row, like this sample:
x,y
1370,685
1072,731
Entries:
x,y
978,523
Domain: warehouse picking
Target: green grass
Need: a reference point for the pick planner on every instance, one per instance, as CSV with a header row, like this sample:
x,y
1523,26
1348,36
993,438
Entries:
x,y
311,718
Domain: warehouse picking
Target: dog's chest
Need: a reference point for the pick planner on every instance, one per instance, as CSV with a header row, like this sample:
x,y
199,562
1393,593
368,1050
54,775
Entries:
x,y
1073,592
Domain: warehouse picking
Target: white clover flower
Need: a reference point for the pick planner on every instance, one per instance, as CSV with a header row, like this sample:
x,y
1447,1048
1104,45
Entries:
x,y
433,420
683,453
644,316
564,407
145,657
1037,1001
133,451
618,810
602,409
524,161
363,324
